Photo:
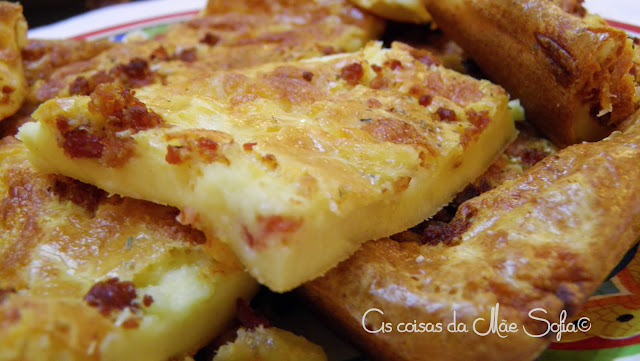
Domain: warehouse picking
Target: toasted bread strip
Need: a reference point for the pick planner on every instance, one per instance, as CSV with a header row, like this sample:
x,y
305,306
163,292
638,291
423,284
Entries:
x,y
572,75
13,32
544,240
84,276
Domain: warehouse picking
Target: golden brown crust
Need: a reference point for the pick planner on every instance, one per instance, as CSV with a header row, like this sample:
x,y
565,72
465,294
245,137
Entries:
x,y
546,239
231,35
572,75
42,57
13,32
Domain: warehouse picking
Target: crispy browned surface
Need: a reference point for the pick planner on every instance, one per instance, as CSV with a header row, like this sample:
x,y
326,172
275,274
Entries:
x,y
13,29
41,58
546,239
572,75
246,35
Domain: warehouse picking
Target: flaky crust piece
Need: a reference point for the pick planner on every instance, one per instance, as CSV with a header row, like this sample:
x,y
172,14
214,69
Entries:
x,y
546,239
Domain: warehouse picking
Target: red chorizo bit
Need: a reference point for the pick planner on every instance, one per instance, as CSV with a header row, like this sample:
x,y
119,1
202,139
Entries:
x,y
174,154
439,232
248,146
373,103
210,39
122,109
376,68
7,89
136,68
188,55
110,295
147,300
193,147
248,317
80,86
81,194
307,75
278,224
352,73
269,225
269,160
134,74
131,323
117,151
159,53
99,78
84,86
79,143
209,150
379,82
424,57
446,114
479,120
425,100
393,64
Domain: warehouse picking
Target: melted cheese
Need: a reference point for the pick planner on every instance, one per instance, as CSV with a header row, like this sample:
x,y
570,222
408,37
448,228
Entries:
x,y
311,158
59,238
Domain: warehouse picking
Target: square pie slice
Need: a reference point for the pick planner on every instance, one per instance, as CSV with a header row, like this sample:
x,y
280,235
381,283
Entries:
x,y
293,164
84,276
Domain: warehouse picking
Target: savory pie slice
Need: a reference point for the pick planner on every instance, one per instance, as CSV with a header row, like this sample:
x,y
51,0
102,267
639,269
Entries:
x,y
13,35
234,34
84,276
544,240
293,164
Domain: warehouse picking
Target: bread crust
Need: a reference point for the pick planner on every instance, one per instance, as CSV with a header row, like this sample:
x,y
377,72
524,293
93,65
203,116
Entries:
x,y
546,239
